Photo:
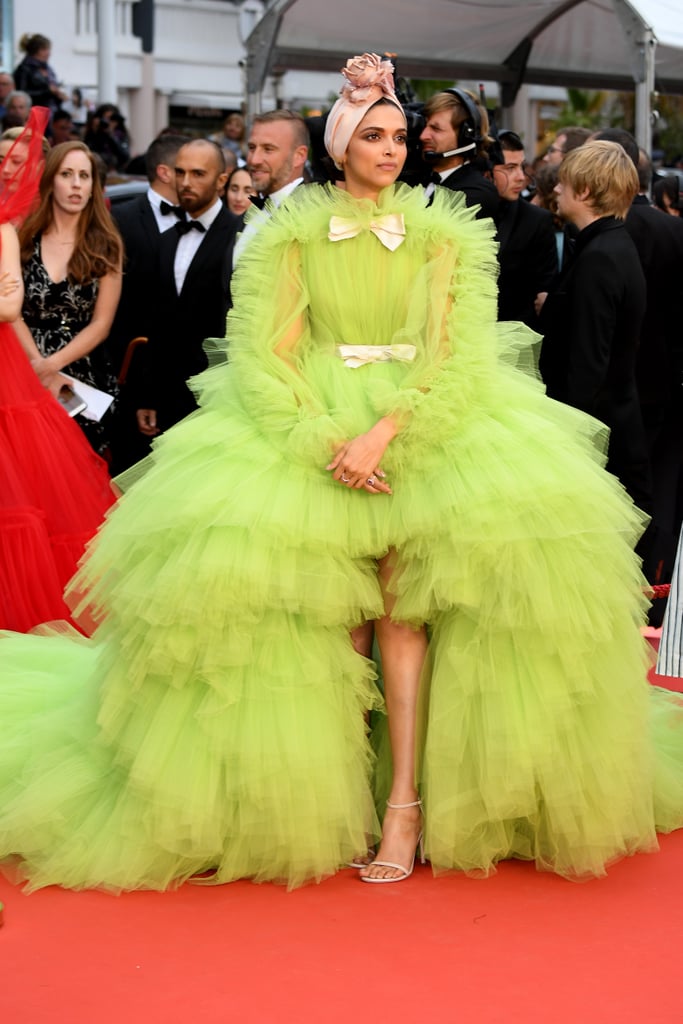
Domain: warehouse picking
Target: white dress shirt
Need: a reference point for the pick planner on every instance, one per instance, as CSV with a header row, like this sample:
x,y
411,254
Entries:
x,y
276,198
429,189
164,220
189,243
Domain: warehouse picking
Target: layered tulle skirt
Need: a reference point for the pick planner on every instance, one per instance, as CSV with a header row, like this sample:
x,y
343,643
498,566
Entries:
x,y
54,492
215,721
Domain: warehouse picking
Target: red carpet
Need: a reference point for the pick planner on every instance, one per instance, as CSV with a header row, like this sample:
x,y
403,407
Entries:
x,y
518,947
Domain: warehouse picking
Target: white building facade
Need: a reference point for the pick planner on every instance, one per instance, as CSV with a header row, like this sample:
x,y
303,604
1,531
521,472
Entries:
x,y
194,74
196,71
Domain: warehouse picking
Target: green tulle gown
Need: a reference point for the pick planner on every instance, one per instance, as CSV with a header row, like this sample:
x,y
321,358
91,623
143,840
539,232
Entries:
x,y
215,721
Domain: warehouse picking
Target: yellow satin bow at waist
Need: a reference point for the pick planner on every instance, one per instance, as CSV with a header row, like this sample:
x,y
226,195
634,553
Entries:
x,y
390,229
360,355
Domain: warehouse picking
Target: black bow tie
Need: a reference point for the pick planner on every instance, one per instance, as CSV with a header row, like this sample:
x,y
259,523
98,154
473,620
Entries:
x,y
183,226
435,178
258,201
168,208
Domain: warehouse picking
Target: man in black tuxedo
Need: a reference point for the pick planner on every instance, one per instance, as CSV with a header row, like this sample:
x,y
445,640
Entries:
x,y
454,142
141,221
192,300
527,250
658,239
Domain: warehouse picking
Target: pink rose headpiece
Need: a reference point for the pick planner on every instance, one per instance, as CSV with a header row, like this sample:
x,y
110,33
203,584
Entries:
x,y
369,78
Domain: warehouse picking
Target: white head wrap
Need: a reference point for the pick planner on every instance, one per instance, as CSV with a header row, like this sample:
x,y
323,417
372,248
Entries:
x,y
369,78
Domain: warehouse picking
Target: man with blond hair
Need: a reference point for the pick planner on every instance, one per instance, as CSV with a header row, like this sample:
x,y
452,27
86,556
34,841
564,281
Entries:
x,y
592,318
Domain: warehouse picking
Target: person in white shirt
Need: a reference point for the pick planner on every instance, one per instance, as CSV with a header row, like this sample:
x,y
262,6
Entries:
x,y
194,288
142,222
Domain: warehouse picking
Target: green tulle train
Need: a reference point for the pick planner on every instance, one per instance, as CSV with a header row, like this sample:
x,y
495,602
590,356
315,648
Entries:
x,y
216,720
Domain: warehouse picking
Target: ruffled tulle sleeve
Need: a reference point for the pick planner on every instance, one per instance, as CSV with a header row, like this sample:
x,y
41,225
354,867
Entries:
x,y
269,333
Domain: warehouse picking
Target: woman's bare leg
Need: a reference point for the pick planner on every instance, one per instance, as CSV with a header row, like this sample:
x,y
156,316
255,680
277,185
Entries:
x,y
403,651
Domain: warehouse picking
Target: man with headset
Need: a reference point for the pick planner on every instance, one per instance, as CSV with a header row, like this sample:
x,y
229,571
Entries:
x,y
454,139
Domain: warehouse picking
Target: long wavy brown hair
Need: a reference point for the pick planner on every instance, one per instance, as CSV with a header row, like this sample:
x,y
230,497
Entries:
x,y
98,247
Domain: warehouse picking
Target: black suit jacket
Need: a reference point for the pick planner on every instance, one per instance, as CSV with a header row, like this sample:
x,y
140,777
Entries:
x,y
141,238
659,241
591,323
527,257
182,322
477,189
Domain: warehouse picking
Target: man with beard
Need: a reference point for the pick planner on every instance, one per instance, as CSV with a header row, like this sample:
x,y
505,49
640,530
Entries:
x,y
276,154
193,295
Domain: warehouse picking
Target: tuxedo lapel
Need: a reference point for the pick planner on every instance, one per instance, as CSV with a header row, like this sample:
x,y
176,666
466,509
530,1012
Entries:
x,y
508,222
148,222
214,241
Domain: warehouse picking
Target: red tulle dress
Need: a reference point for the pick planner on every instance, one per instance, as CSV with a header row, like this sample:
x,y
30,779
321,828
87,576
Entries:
x,y
54,489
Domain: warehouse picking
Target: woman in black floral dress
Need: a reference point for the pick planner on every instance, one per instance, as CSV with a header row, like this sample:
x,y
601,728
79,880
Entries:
x,y
71,257
54,489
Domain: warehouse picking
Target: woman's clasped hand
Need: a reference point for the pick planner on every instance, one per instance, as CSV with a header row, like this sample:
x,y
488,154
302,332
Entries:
x,y
357,463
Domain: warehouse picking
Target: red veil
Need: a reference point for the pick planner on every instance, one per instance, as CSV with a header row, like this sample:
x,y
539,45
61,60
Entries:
x,y
19,192
54,489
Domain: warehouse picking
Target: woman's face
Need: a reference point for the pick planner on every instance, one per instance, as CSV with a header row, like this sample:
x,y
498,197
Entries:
x,y
377,151
11,165
669,208
72,185
240,190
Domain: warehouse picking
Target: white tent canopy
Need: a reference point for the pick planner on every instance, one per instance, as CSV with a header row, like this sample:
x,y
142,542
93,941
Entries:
x,y
608,44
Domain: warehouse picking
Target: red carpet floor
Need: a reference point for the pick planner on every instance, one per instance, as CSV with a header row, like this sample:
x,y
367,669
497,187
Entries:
x,y
518,947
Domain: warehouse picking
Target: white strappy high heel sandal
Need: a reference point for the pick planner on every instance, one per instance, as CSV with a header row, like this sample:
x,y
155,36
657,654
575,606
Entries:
x,y
407,872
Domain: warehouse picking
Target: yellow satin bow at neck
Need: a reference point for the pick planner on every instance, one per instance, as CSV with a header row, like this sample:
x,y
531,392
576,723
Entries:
x,y
390,229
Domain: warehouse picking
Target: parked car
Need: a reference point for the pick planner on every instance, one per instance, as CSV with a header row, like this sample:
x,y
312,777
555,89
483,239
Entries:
x,y
120,191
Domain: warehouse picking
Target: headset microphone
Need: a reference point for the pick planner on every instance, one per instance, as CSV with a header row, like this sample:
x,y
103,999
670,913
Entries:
x,y
469,131
430,157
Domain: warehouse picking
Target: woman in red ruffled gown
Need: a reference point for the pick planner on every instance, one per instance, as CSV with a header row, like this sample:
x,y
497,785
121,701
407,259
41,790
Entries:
x,y
54,489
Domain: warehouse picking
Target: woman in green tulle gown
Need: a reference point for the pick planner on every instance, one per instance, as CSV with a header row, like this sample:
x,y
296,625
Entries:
x,y
374,450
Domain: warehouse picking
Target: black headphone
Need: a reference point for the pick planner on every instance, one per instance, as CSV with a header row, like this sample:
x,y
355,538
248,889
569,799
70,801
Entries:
x,y
469,132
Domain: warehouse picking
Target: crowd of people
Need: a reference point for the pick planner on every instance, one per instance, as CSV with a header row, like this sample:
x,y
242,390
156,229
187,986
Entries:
x,y
365,460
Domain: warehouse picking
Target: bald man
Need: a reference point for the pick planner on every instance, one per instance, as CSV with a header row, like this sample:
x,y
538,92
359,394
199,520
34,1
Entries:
x,y
194,288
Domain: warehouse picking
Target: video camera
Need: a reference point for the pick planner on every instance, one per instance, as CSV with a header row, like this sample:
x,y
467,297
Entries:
x,y
415,170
